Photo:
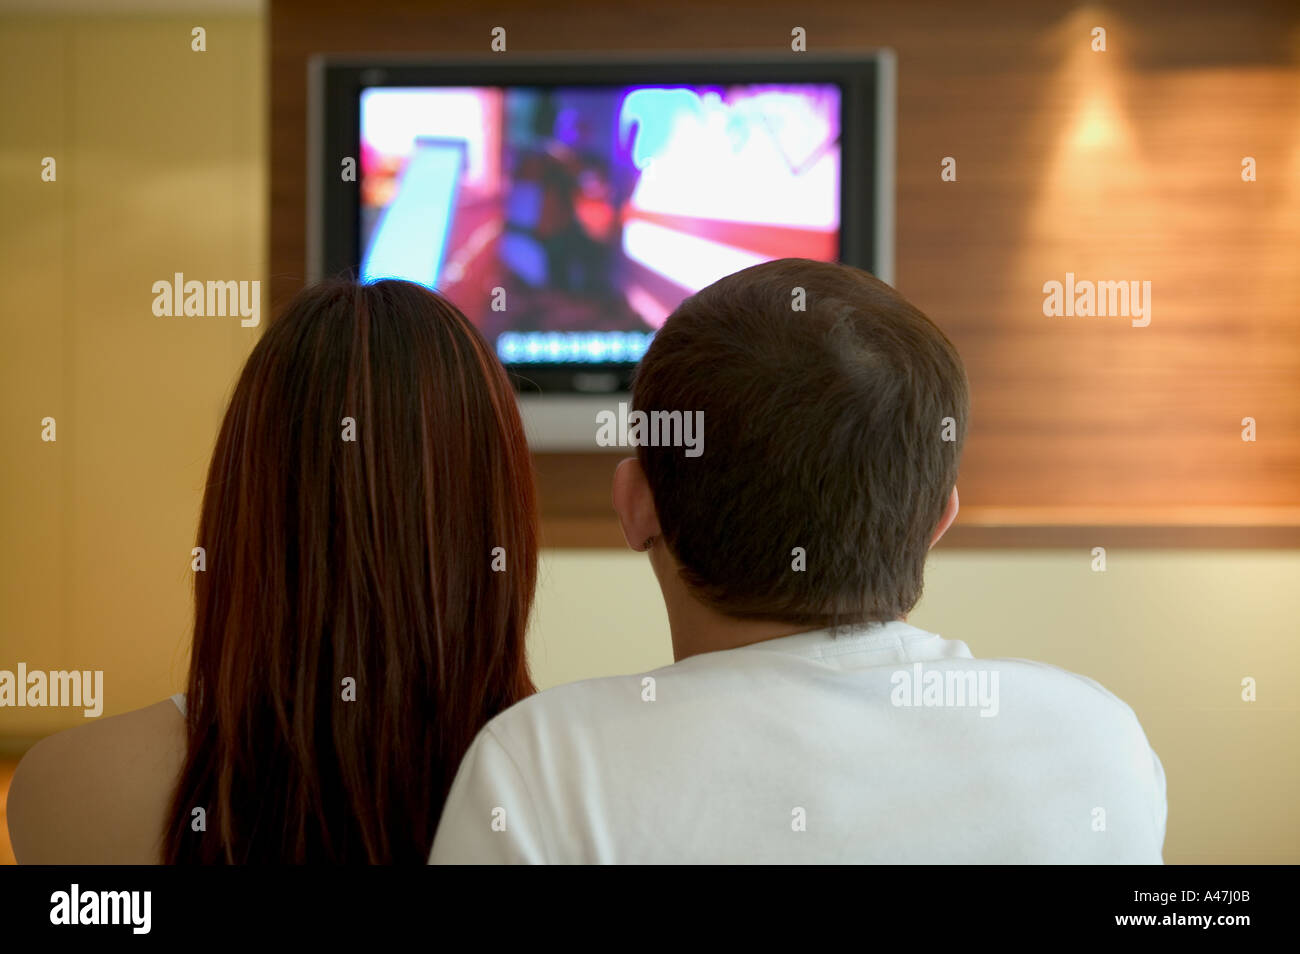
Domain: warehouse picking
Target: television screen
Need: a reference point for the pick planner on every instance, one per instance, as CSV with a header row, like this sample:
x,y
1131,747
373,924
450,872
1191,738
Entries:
x,y
568,221
567,204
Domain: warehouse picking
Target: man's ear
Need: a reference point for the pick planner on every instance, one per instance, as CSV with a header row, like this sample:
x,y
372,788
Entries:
x,y
634,504
949,515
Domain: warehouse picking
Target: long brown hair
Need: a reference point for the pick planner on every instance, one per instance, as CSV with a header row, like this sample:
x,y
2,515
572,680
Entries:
x,y
354,627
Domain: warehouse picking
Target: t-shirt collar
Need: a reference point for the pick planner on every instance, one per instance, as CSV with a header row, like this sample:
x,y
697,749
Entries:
x,y
895,640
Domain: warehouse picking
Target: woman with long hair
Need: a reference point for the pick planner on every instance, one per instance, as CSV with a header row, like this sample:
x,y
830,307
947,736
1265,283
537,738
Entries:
x,y
369,533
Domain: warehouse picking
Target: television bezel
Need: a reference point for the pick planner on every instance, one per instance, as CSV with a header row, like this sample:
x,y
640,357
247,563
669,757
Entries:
x,y
866,158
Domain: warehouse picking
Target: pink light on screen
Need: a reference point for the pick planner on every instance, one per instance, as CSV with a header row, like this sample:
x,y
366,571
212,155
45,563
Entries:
x,y
648,306
392,119
688,260
739,179
769,157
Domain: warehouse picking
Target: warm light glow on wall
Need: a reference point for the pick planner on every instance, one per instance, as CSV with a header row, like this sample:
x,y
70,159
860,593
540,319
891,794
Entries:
x,y
1097,125
1134,174
1092,196
1093,147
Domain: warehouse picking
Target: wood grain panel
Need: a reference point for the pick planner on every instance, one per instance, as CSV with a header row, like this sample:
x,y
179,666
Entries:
x,y
1123,165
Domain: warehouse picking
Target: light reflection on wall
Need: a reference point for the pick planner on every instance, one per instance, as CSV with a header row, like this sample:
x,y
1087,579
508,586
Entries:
x,y
1094,168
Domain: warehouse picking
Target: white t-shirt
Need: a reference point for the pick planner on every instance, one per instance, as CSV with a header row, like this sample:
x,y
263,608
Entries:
x,y
883,744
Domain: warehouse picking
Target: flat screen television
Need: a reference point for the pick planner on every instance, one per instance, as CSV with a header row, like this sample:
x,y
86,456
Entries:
x,y
566,203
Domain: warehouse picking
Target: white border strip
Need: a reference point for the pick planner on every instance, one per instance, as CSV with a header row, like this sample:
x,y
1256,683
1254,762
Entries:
x,y
886,160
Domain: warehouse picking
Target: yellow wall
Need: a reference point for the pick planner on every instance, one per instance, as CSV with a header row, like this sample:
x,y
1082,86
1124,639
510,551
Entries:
x,y
1172,633
162,168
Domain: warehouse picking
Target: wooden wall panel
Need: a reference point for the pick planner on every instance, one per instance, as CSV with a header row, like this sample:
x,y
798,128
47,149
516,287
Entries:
x,y
1122,165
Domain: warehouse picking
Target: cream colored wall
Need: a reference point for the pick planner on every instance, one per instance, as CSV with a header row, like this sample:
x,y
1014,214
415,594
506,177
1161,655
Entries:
x,y
1171,633
162,168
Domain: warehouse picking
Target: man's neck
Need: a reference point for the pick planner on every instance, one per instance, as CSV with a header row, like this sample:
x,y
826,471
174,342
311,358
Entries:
x,y
698,629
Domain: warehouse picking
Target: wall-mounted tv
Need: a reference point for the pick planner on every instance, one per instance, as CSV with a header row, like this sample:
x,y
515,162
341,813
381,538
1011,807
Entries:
x,y
567,203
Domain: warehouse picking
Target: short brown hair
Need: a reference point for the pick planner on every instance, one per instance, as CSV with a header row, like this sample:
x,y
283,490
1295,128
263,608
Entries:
x,y
826,431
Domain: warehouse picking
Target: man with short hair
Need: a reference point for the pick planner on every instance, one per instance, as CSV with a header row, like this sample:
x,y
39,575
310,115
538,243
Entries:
x,y
804,720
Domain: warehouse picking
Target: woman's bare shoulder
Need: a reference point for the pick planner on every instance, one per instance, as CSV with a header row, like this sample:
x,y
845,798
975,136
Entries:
x,y
98,794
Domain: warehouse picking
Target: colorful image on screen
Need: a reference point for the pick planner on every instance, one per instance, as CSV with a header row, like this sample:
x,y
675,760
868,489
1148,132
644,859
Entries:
x,y
568,222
